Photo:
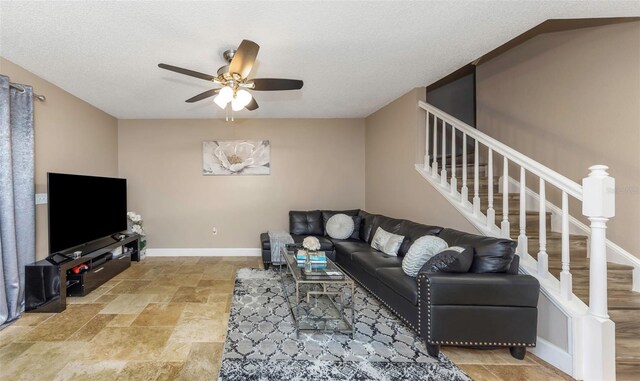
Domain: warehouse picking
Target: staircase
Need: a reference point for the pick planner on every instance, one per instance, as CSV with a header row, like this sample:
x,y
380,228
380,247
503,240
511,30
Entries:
x,y
501,206
624,305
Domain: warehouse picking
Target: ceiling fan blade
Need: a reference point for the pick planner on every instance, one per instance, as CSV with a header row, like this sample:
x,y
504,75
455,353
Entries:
x,y
252,105
273,84
205,95
243,59
188,72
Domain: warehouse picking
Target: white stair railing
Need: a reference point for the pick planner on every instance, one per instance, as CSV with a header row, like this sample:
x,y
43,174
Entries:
x,y
597,196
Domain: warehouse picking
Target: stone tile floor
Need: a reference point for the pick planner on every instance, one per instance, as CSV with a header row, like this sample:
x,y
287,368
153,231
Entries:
x,y
166,319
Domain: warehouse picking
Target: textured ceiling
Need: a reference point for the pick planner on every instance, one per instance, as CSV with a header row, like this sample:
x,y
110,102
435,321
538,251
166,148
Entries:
x,y
354,57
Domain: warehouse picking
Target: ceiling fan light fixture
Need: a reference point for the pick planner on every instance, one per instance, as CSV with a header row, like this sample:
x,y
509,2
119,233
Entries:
x,y
220,101
236,105
244,96
224,96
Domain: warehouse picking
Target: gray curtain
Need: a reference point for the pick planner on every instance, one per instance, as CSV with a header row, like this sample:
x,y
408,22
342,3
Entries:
x,y
17,196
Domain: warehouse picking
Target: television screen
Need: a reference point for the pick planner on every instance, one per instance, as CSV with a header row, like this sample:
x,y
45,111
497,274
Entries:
x,y
84,208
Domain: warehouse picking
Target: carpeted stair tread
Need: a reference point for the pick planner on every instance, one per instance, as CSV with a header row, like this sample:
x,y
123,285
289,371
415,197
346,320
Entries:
x,y
459,166
627,349
618,280
627,323
627,370
617,299
574,239
577,262
529,213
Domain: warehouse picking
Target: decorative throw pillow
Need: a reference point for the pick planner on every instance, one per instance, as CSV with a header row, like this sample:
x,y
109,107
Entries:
x,y
340,226
455,259
386,242
357,220
420,252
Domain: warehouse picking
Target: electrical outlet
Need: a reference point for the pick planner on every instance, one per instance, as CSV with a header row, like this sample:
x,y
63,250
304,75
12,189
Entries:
x,y
214,231
41,198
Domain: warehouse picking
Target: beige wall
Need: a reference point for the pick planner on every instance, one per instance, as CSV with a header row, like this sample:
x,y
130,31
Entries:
x,y
394,142
571,100
315,164
71,136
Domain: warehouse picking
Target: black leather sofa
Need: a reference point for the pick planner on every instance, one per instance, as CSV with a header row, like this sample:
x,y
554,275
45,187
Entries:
x,y
490,306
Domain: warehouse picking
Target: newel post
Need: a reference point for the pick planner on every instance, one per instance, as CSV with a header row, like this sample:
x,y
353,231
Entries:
x,y
598,206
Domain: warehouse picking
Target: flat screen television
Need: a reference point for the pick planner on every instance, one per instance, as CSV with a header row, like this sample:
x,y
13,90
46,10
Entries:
x,y
83,209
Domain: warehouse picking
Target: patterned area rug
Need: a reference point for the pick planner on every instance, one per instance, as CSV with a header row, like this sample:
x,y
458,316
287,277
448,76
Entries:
x,y
261,341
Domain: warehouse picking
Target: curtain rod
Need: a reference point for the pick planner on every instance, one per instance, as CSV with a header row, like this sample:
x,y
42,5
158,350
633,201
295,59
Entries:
x,y
21,89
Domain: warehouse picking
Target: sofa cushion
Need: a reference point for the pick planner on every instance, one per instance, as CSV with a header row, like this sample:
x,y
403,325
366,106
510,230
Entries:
x,y
346,247
326,214
371,260
366,226
491,255
357,221
325,242
454,259
392,225
306,222
401,283
412,231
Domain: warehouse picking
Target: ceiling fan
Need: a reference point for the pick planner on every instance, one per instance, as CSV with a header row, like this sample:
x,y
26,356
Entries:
x,y
234,79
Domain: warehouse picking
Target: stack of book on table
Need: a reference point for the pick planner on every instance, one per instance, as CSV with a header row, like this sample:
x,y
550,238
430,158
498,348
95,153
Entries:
x,y
318,259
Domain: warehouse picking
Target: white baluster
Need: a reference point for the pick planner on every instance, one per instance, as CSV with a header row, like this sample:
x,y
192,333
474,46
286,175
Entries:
x,y
598,191
566,281
491,213
464,191
505,226
476,181
523,249
434,169
443,172
427,159
454,180
543,258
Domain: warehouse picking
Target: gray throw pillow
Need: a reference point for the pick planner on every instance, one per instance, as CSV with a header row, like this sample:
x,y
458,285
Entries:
x,y
386,242
340,226
420,252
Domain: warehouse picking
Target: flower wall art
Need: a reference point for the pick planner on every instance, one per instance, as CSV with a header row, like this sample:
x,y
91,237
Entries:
x,y
236,157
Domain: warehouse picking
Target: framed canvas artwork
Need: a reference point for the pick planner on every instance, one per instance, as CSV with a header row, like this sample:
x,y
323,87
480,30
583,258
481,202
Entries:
x,y
236,157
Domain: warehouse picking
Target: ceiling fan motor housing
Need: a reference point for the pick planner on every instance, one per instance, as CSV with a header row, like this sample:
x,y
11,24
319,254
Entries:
x,y
228,55
223,69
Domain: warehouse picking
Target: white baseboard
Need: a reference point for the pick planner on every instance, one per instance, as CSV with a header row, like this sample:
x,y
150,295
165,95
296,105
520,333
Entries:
x,y
554,355
204,252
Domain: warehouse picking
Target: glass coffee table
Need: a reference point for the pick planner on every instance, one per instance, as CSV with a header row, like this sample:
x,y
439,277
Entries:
x,y
322,301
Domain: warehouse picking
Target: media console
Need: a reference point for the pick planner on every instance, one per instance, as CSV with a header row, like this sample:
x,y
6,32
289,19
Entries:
x,y
48,282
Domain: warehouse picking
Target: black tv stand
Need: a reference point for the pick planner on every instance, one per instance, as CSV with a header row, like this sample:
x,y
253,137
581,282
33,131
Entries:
x,y
48,282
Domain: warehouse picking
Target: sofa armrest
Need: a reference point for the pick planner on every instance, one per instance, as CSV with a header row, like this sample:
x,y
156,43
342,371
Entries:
x,y
479,289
